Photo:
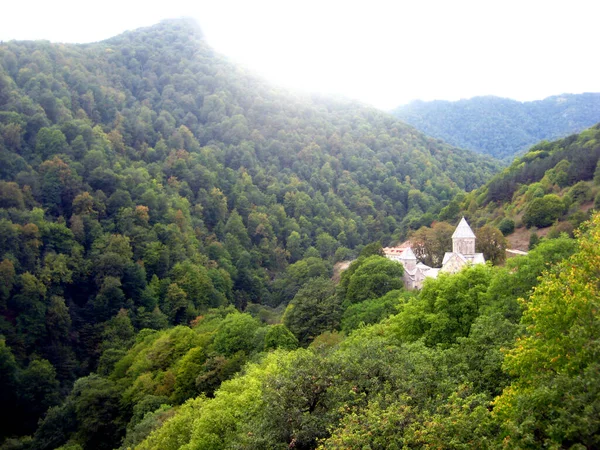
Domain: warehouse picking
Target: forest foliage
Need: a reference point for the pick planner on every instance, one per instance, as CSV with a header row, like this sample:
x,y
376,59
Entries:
x,y
459,365
145,181
554,184
168,229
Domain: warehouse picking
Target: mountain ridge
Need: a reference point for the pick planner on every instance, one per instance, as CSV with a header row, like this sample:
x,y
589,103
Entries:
x,y
499,126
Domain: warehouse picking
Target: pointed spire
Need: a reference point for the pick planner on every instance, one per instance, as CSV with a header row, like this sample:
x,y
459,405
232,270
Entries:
x,y
408,254
463,230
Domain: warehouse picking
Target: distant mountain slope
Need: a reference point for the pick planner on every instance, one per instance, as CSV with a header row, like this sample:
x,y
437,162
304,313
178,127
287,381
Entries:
x,y
553,184
145,85
502,127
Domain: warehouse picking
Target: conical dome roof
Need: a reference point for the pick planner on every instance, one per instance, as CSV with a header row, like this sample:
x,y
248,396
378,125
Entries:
x,y
463,230
408,254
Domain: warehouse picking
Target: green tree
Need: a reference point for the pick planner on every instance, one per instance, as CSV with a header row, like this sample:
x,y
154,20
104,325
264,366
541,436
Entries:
x,y
372,311
326,245
542,212
110,299
294,246
9,372
374,278
176,304
39,390
278,336
11,196
296,275
313,310
372,249
31,307
96,403
7,281
507,226
236,333
492,243
445,308
49,142
430,244
196,284
552,401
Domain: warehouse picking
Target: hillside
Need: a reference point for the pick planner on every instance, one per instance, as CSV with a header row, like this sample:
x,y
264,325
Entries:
x,y
146,180
555,184
502,127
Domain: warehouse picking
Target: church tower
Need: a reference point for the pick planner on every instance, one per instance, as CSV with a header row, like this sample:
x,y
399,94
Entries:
x,y
463,239
408,259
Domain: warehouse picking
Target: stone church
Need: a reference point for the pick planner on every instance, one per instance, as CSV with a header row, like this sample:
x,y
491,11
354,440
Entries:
x,y
462,254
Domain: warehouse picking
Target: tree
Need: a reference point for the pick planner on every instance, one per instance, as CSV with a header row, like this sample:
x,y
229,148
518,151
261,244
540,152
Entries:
x,y
278,336
542,212
118,332
7,281
58,320
49,142
374,278
58,185
371,249
111,255
8,387
555,395
56,270
507,226
326,245
236,333
492,243
176,304
580,192
39,390
296,275
313,310
31,244
235,226
372,311
11,196
96,403
294,246
445,308
110,299
430,244
31,308
196,284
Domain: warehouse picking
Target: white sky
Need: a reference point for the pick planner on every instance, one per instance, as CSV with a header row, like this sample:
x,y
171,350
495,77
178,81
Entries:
x,y
384,53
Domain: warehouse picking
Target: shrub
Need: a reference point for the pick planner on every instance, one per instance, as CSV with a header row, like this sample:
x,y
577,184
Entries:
x,y
506,226
542,212
580,192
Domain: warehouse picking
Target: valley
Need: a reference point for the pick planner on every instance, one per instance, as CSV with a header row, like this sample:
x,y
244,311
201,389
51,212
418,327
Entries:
x,y
192,257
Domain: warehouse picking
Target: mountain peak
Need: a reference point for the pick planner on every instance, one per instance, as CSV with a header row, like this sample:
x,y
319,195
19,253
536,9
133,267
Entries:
x,y
169,29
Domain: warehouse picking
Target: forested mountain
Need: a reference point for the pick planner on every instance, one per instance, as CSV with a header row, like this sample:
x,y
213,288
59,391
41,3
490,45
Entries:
x,y
499,126
146,183
554,183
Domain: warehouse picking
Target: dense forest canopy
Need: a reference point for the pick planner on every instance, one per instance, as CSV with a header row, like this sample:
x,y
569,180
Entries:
x,y
168,230
491,357
146,180
502,127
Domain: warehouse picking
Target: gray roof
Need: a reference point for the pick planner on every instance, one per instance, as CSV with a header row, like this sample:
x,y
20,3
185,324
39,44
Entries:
x,y
463,230
408,254
448,256
477,258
